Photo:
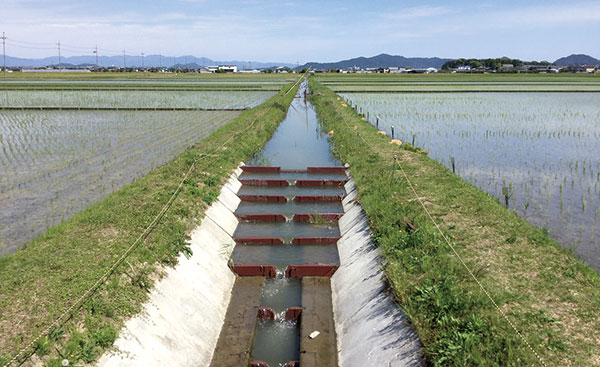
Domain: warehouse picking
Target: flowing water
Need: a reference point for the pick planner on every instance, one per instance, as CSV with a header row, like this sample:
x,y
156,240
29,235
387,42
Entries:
x,y
297,144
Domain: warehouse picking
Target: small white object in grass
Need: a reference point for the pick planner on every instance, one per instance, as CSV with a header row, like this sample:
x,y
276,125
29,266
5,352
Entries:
x,y
65,362
314,334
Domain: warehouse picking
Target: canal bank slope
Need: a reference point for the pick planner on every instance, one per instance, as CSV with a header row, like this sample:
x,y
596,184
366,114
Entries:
x,y
549,295
42,281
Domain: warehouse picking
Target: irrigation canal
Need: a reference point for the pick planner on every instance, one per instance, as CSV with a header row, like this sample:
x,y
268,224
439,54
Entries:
x,y
281,313
283,272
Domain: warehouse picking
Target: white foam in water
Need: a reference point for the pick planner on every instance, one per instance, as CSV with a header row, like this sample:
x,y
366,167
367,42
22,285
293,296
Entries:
x,y
181,321
371,329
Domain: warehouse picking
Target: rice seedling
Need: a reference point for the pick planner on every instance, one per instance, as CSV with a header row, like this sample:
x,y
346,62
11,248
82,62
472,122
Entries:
x,y
55,163
136,98
545,144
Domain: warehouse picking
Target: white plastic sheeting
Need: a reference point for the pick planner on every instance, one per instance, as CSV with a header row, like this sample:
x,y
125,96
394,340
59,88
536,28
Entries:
x,y
371,329
181,321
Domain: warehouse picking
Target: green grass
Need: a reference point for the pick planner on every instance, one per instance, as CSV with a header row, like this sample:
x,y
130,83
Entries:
x,y
547,293
146,75
45,277
447,82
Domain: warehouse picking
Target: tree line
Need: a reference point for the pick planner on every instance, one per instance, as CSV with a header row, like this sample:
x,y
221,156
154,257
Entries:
x,y
493,63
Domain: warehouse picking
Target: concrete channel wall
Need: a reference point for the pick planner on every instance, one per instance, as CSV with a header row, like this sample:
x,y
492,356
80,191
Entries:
x,y
371,329
181,321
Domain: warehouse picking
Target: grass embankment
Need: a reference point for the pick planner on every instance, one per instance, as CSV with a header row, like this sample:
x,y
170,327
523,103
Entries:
x,y
548,294
145,75
460,82
44,278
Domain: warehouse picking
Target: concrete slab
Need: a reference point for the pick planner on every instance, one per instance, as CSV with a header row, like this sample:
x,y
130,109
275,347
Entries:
x,y
372,329
233,184
221,215
180,322
229,198
317,315
234,346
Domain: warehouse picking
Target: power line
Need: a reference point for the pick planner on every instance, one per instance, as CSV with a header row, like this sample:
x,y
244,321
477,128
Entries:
x,y
32,43
30,47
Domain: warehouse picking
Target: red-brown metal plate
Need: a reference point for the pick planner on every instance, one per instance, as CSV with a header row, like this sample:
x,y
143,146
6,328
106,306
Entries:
x,y
253,182
259,240
261,169
315,240
315,218
318,198
293,313
264,198
293,364
262,217
255,270
301,183
258,364
310,270
266,313
334,169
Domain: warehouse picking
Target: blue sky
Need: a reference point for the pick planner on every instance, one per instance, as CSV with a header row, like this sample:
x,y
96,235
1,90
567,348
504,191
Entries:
x,y
301,31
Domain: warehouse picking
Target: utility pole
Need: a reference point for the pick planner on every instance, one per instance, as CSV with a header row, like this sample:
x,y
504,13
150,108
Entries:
x,y
96,52
4,51
58,55
124,62
159,61
142,60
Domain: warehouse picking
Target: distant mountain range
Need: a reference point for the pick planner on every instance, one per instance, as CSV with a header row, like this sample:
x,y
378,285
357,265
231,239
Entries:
x,y
577,59
380,61
385,60
136,61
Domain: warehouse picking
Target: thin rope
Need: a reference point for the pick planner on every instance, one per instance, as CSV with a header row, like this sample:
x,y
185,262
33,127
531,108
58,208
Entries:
x,y
456,253
142,236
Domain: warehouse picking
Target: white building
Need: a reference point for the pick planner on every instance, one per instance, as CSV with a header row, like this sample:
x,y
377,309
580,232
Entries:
x,y
228,68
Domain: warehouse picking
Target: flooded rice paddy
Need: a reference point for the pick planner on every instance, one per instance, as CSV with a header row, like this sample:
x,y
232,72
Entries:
x,y
55,163
541,150
134,99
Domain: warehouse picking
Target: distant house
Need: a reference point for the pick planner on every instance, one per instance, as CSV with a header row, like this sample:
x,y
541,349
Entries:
x,y
541,68
507,67
482,69
463,68
397,70
205,71
422,71
590,69
577,69
212,69
227,68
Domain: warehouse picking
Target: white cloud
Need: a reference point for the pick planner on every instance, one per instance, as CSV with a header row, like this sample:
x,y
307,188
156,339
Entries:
x,y
417,12
545,16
